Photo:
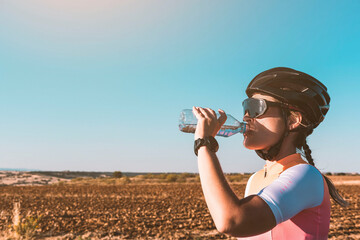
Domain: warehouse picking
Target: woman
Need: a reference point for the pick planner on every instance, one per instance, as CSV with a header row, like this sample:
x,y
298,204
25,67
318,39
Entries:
x,y
289,198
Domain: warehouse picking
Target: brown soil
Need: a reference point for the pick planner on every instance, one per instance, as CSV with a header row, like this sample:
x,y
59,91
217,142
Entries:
x,y
136,211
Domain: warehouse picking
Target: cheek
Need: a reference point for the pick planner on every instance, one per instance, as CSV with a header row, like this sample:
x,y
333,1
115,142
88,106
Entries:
x,y
273,125
267,132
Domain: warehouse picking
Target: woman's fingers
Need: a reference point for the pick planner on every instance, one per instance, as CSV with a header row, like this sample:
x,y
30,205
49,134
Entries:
x,y
204,112
208,122
198,114
209,113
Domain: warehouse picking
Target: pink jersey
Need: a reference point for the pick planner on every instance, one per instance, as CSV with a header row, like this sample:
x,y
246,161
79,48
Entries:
x,y
298,196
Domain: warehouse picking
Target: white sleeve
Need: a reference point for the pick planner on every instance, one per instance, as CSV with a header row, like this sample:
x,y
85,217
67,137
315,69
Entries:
x,y
297,188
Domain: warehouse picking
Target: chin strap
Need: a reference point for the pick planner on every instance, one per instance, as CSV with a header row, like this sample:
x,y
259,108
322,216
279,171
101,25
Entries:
x,y
272,152
275,149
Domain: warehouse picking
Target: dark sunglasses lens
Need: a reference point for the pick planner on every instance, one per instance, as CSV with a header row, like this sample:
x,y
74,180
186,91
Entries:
x,y
254,107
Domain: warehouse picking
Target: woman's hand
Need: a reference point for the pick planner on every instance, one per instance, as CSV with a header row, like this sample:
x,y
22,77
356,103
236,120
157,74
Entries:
x,y
208,123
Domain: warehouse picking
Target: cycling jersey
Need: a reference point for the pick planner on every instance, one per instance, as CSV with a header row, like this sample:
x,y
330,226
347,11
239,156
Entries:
x,y
298,196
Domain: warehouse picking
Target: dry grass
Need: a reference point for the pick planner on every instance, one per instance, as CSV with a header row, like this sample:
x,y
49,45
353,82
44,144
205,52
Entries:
x,y
138,211
151,206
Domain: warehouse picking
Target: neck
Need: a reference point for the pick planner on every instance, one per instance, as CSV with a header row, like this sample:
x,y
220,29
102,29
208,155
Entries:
x,y
287,147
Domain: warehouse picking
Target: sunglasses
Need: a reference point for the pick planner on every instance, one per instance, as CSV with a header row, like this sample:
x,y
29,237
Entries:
x,y
256,107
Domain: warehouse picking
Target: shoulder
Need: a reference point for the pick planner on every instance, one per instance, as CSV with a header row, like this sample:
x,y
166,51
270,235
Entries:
x,y
297,188
303,173
302,179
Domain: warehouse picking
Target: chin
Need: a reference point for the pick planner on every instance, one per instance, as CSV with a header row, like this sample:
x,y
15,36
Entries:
x,y
254,148
253,145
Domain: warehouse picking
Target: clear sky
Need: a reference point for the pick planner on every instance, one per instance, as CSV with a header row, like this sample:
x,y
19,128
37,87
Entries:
x,y
99,85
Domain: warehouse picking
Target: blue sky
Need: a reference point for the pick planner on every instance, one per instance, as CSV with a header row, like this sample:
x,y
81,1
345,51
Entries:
x,y
99,85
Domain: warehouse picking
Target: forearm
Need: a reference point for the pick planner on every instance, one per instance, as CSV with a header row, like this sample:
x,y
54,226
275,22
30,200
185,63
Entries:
x,y
221,200
231,215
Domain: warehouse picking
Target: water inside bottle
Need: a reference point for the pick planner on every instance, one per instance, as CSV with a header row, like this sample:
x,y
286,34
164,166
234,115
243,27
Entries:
x,y
188,128
188,122
225,131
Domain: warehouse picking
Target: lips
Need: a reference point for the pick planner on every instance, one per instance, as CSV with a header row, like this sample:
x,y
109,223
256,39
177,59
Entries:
x,y
250,129
248,133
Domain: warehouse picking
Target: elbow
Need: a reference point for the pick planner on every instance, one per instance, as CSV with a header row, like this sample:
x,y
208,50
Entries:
x,y
223,228
227,225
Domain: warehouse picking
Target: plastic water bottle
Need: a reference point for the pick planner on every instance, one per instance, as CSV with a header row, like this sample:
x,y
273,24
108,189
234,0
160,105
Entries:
x,y
188,122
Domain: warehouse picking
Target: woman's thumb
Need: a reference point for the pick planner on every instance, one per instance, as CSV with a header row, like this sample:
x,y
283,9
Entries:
x,y
223,117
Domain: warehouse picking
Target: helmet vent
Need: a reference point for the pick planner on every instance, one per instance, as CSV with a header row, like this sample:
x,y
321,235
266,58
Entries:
x,y
305,90
290,86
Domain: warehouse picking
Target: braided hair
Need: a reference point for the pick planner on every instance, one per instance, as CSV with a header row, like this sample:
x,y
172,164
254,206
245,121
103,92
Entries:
x,y
301,143
307,152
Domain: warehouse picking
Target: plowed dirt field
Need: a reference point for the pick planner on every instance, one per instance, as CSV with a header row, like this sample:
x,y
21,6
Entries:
x,y
138,211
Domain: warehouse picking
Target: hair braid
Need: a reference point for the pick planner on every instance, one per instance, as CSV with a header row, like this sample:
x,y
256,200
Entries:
x,y
302,143
307,152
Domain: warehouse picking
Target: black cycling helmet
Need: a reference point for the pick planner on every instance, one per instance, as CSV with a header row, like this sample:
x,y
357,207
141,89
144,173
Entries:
x,y
295,88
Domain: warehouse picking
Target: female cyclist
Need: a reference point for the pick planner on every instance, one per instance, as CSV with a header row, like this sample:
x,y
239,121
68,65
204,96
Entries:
x,y
289,198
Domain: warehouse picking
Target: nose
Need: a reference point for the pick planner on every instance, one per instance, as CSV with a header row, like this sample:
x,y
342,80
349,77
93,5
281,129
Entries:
x,y
246,117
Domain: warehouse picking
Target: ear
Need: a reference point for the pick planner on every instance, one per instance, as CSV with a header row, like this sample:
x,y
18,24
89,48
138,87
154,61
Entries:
x,y
294,120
